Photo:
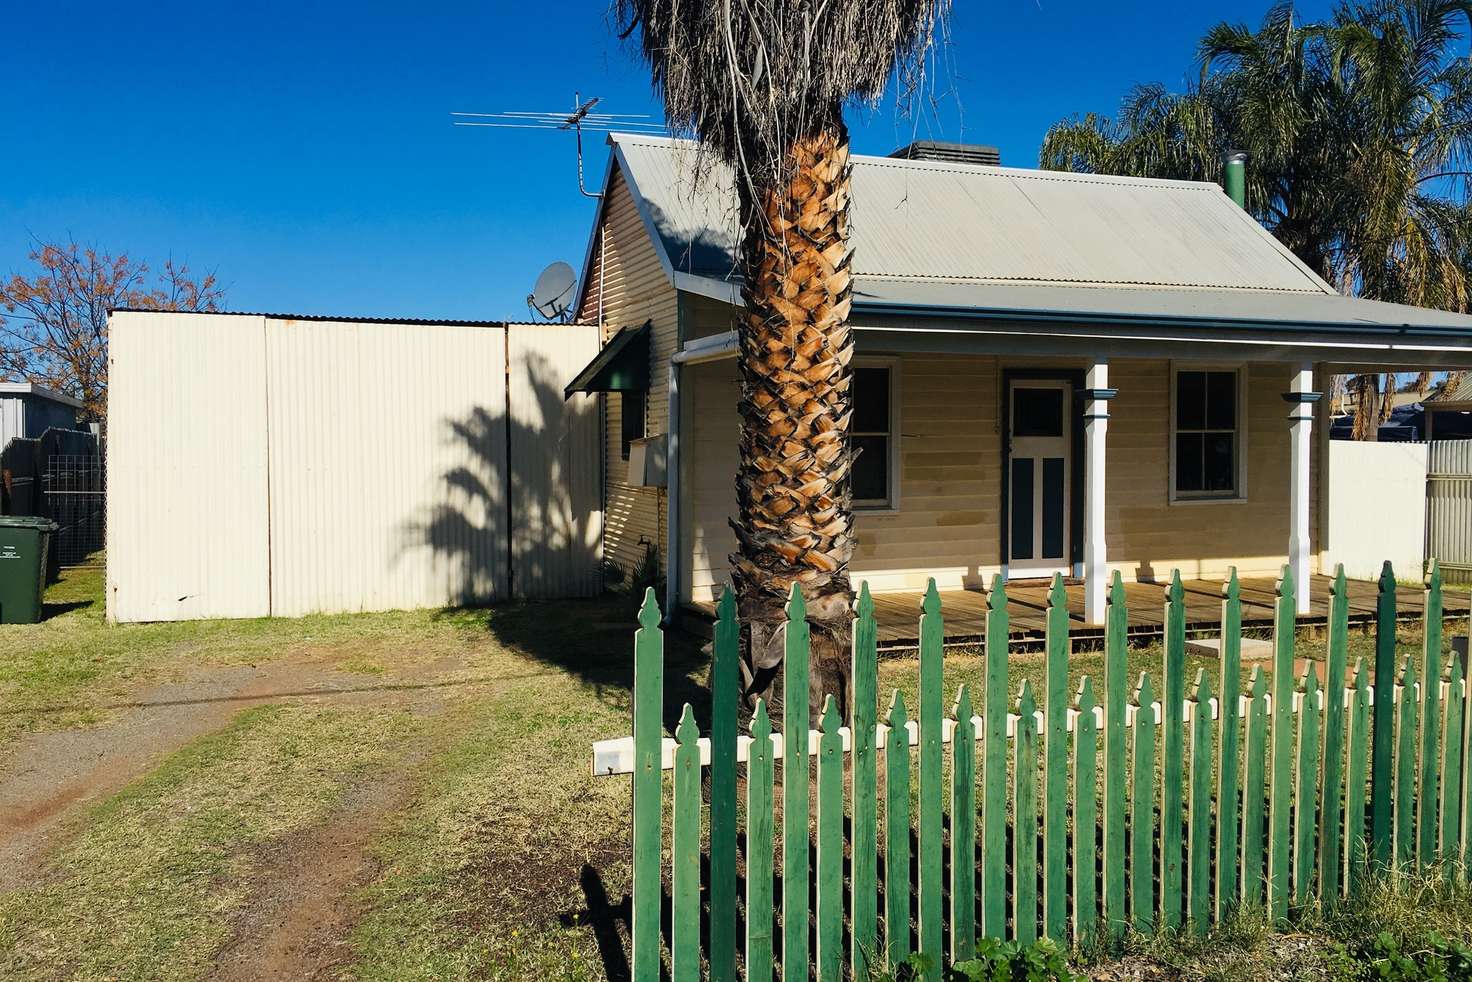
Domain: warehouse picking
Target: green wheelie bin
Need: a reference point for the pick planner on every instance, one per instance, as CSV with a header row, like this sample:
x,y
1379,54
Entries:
x,y
23,544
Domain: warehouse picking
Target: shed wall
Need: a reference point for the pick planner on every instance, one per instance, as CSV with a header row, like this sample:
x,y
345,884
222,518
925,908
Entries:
x,y
187,531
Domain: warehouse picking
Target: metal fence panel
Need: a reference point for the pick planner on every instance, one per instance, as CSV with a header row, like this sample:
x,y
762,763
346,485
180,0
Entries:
x,y
1449,508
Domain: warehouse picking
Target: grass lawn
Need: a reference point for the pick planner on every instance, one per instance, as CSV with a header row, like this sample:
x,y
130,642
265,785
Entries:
x,y
388,796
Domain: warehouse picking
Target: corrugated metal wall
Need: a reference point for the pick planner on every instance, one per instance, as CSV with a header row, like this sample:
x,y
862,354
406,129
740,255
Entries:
x,y
187,533
367,464
1449,508
556,490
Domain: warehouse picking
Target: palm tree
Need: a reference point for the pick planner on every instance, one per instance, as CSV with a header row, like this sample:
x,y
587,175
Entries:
x,y
1360,133
763,86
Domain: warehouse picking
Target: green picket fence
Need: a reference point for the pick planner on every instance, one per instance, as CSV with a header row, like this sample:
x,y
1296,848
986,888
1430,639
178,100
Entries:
x,y
1289,792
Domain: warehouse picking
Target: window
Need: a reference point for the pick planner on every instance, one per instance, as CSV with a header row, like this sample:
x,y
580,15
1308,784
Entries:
x,y
1207,433
631,418
874,434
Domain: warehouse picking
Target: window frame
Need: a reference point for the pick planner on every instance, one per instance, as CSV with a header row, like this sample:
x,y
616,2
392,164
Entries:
x,y
891,504
1239,493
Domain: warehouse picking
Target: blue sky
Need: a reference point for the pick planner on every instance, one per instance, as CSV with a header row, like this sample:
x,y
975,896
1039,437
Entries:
x,y
305,151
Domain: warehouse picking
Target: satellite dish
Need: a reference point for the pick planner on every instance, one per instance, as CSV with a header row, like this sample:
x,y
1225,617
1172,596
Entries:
x,y
552,296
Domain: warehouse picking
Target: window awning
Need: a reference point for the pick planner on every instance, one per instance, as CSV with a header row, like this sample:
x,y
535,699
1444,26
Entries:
x,y
622,365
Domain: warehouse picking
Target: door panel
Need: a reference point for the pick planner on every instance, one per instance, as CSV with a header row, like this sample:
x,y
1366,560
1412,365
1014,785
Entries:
x,y
1039,495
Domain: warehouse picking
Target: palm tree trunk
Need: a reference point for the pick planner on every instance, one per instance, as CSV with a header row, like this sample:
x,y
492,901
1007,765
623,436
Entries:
x,y
795,522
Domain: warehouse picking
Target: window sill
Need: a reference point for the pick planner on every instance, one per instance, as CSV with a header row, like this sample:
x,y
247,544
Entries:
x,y
1238,500
876,510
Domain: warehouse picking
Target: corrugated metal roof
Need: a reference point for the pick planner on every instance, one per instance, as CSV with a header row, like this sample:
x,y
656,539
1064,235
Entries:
x,y
934,220
39,391
426,321
1458,391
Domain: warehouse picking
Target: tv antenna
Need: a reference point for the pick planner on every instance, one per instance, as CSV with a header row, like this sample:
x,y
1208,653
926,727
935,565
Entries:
x,y
552,295
581,118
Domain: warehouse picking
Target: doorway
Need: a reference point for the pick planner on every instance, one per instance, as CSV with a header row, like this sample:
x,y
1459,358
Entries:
x,y
1040,492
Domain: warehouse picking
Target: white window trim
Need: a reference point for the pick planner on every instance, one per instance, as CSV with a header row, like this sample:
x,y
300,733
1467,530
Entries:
x,y
892,505
1207,498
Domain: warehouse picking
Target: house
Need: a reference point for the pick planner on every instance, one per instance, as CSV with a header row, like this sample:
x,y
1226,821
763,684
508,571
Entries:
x,y
1449,411
27,410
1055,373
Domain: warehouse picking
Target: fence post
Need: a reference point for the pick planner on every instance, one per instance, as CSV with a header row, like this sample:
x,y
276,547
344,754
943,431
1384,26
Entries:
x,y
963,829
759,853
796,864
1330,847
1025,821
1284,627
1254,789
1451,766
932,757
1228,762
1173,766
1115,777
1085,806
1382,778
648,787
724,696
1055,765
1142,810
994,768
1429,793
830,845
896,835
685,854
1305,787
865,790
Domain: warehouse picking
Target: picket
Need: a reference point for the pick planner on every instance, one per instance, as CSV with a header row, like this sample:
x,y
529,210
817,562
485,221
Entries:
x,y
796,862
1277,799
1055,764
1382,750
994,768
759,867
685,853
648,787
1281,777
1025,821
1405,767
1230,687
1333,757
1254,789
932,755
963,829
1198,848
1116,623
1306,787
830,846
1357,739
1451,766
896,836
1142,810
724,685
1085,818
863,905
1428,795
1172,763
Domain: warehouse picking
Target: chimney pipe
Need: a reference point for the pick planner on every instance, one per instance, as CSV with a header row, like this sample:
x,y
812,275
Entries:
x,y
1234,178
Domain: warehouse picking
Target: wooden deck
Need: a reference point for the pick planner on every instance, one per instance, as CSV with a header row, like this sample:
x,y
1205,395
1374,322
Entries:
x,y
965,610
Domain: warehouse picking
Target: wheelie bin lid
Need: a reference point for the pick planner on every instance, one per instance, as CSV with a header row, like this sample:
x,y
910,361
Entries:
x,y
28,522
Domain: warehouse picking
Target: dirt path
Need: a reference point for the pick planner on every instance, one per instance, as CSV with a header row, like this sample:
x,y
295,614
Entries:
x,y
296,924
52,776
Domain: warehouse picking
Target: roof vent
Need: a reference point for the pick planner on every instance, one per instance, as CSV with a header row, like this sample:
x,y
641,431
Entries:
x,y
956,153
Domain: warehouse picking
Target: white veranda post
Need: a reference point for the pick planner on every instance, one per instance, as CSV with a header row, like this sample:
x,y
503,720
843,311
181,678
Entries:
x,y
1096,396
1300,398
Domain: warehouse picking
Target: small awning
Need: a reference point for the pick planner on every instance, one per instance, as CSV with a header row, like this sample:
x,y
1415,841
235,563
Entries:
x,y
622,365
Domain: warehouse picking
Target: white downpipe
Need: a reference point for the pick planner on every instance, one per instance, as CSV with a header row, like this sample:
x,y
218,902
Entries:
x,y
1096,429
1301,399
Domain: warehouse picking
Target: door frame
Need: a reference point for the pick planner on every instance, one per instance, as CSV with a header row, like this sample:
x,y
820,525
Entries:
x,y
1075,378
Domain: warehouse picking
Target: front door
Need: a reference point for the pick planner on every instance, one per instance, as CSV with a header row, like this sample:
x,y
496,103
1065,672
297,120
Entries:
x,y
1038,489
